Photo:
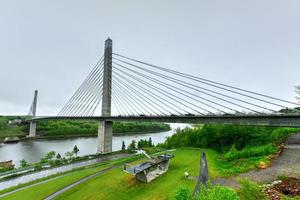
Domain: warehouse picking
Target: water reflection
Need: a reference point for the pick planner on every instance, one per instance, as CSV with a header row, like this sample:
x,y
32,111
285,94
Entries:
x,y
32,151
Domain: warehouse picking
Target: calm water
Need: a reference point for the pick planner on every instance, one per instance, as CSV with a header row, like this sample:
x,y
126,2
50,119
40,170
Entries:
x,y
32,151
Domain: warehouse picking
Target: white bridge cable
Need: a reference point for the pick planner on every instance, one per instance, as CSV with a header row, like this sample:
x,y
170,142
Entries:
x,y
143,98
176,89
124,103
73,103
121,108
78,106
80,90
150,93
131,94
213,83
169,95
130,100
196,87
94,93
115,101
213,102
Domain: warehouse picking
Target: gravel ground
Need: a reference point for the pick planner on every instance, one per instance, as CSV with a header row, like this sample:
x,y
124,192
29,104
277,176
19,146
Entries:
x,y
287,164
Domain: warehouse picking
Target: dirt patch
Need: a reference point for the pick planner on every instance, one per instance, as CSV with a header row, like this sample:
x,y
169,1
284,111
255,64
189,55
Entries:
x,y
288,187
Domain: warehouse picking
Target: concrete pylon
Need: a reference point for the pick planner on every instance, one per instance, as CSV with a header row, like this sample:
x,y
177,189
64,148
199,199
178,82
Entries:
x,y
32,129
105,127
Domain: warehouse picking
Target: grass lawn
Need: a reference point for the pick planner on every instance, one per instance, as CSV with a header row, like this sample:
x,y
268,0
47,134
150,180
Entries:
x,y
117,184
45,189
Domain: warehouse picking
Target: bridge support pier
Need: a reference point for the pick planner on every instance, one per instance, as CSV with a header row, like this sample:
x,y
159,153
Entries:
x,y
104,137
32,128
105,127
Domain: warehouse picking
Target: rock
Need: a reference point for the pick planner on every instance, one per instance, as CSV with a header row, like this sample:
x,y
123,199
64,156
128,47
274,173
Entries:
x,y
11,140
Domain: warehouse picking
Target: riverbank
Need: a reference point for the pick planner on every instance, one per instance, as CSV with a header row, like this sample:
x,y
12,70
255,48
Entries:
x,y
34,150
62,137
63,129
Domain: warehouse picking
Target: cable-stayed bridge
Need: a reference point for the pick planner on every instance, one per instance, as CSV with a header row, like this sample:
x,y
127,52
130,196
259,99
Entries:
x,y
120,88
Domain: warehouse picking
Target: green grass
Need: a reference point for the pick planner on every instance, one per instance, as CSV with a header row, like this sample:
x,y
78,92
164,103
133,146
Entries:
x,y
62,180
6,130
117,184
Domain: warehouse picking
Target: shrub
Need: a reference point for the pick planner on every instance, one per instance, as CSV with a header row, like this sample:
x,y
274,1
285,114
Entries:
x,y
217,193
220,137
250,191
183,194
280,134
208,193
248,152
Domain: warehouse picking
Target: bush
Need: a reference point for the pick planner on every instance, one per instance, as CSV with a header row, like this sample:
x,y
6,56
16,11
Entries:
x,y
250,191
222,137
54,128
280,134
217,193
249,152
208,193
183,194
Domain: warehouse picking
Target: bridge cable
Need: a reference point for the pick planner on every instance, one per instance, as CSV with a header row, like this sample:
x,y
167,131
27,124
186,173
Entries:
x,y
186,84
76,108
129,95
164,92
119,84
131,112
94,91
137,93
150,93
80,89
172,87
214,82
214,103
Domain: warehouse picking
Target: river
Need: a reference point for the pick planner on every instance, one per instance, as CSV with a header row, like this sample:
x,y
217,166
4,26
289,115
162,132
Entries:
x,y
34,150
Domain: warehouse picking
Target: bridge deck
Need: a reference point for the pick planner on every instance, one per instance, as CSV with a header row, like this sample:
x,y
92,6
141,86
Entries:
x,y
289,120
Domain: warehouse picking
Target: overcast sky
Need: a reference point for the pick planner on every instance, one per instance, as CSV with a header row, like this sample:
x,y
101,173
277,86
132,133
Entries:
x,y
52,45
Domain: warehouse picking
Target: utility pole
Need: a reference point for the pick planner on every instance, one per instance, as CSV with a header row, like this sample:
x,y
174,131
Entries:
x,y
105,127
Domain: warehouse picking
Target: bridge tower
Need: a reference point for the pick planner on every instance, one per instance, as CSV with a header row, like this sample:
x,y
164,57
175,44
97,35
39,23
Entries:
x,y
32,129
105,127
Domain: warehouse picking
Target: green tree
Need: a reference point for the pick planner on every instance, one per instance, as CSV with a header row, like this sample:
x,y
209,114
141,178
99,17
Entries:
x,y
123,146
69,154
75,150
150,142
48,157
24,163
132,145
142,143
58,156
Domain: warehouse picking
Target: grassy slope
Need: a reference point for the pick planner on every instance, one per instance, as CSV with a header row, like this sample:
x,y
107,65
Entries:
x,y
119,185
116,184
62,180
6,130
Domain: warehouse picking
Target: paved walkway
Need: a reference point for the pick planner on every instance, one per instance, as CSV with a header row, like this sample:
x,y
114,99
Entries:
x,y
287,164
59,192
